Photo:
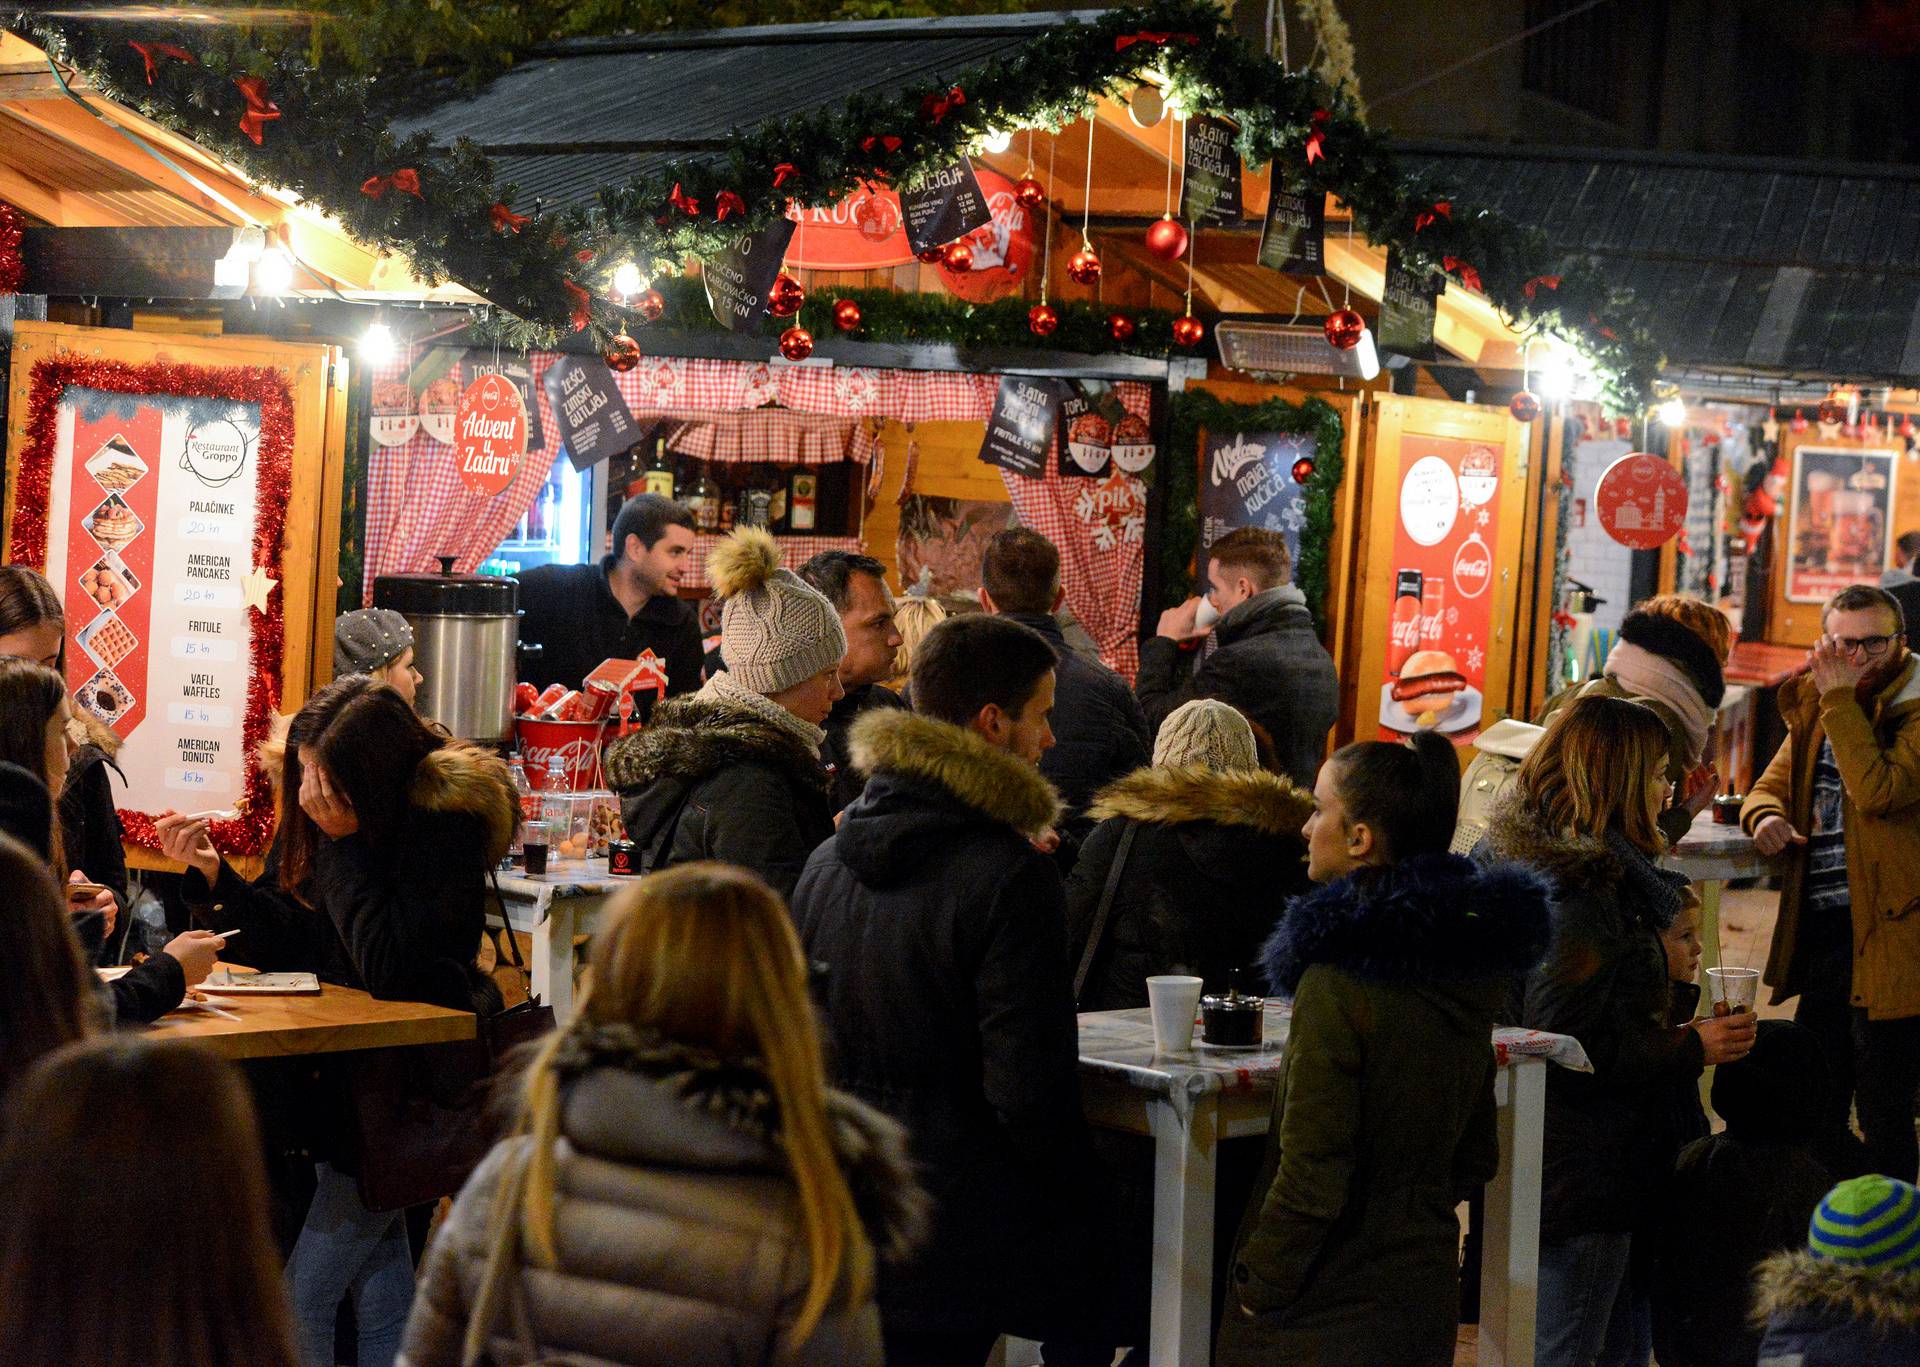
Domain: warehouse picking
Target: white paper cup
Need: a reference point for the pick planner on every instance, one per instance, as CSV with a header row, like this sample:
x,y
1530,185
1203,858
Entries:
x,y
1173,998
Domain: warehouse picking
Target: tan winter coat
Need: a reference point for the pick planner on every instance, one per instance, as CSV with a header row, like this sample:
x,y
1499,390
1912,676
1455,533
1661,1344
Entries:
x,y
1878,755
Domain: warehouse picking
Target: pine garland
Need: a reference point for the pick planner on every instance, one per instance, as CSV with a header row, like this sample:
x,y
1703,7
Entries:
x,y
333,133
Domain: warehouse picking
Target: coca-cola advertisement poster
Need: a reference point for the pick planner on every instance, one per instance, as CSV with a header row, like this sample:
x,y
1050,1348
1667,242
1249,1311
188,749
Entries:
x,y
1445,540
1837,520
1246,480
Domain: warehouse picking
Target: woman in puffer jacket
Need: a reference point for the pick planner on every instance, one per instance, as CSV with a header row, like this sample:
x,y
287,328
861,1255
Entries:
x,y
684,1189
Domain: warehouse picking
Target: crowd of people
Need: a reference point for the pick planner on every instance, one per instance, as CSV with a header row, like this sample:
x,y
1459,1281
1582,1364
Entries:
x,y
818,1101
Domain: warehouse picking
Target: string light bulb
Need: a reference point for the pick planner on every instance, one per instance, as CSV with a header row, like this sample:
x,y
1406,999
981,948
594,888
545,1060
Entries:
x,y
273,272
1673,412
627,279
377,345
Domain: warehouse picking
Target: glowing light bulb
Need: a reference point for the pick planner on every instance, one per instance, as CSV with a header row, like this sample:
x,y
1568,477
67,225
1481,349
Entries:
x,y
273,272
628,280
377,344
999,140
1673,412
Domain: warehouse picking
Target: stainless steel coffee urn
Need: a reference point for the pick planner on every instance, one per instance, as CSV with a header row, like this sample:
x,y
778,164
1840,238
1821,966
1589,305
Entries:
x,y
466,633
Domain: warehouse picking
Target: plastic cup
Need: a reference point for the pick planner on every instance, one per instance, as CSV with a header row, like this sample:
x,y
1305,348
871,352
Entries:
x,y
1732,989
536,837
1173,999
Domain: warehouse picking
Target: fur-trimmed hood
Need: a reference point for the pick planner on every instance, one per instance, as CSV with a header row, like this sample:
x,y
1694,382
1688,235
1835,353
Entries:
x,y
1586,865
1176,794
635,1096
459,777
1798,1284
1434,920
693,737
992,782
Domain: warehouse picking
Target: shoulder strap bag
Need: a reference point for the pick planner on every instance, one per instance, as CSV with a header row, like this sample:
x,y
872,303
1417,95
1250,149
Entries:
x,y
1104,910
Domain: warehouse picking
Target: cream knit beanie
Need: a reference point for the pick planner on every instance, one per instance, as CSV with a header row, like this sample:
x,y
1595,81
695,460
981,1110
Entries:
x,y
1206,732
775,630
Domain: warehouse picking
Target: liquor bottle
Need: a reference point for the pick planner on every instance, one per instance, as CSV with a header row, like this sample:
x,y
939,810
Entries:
x,y
706,505
659,475
800,507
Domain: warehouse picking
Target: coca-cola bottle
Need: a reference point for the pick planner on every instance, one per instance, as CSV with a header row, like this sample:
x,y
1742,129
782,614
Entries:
x,y
1403,636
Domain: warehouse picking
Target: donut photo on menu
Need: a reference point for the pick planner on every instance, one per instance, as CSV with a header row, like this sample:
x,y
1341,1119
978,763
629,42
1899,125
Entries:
x,y
1431,694
116,466
107,639
113,524
104,696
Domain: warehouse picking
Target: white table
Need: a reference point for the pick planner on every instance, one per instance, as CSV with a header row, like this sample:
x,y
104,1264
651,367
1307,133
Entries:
x,y
1189,1102
555,909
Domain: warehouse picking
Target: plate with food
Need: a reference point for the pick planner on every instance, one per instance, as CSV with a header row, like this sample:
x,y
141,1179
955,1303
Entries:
x,y
1431,694
439,402
104,696
108,640
113,524
1132,444
1089,442
116,466
108,582
395,419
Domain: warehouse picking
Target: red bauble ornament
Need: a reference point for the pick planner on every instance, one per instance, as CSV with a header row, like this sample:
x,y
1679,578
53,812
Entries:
x,y
1525,406
1042,319
623,355
1029,193
1343,328
796,343
1799,423
930,257
1083,267
1188,330
957,256
786,296
1120,327
1831,412
846,315
1302,470
650,306
1167,239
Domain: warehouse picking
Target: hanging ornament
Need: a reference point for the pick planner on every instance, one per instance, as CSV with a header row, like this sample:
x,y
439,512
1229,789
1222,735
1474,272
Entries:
x,y
1188,331
957,256
1799,423
796,343
623,354
786,296
650,306
930,257
1042,319
1525,406
1120,327
846,315
1083,267
1029,193
1303,470
1167,239
1343,329
1146,106
1831,413
1770,429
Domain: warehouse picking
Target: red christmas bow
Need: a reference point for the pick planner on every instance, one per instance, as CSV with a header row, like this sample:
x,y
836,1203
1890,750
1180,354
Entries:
x,y
506,220
727,202
1317,139
1549,282
584,255
581,299
1468,275
684,202
406,180
887,142
937,107
148,51
1442,208
1127,40
260,108
782,171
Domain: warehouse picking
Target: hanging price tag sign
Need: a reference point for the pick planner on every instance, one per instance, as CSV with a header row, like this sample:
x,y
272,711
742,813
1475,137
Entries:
x,y
490,434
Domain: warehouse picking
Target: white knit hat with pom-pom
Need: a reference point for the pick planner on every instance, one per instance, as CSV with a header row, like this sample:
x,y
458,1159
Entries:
x,y
1206,732
775,630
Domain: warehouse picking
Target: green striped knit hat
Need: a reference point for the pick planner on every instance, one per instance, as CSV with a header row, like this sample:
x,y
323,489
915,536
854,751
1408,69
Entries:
x,y
1869,1222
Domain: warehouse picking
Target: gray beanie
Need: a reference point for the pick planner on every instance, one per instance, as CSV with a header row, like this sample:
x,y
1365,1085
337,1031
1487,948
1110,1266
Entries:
x,y
775,630
1206,732
369,639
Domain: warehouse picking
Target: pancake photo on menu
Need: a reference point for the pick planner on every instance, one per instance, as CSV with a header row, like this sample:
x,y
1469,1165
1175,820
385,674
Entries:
x,y
113,524
116,467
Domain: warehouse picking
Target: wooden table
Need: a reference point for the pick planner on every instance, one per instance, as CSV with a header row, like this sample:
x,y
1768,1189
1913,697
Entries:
x,y
555,909
1759,665
334,1020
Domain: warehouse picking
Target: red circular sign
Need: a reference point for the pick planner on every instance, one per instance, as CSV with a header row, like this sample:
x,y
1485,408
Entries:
x,y
490,434
1002,250
1641,501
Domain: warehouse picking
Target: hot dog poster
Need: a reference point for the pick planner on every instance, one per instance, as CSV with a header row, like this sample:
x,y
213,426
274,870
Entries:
x,y
1445,537
151,514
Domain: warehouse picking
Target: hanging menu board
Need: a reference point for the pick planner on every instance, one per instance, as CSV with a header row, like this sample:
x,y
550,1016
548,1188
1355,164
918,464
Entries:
x,y
1026,410
739,276
1293,237
594,419
1408,307
943,205
1212,187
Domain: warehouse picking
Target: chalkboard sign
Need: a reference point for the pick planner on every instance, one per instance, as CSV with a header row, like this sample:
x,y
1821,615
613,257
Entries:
x,y
1212,190
1408,306
1020,430
595,422
1293,238
1246,480
740,276
944,204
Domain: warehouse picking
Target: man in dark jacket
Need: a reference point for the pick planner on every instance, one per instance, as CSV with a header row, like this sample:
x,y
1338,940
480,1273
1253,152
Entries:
x,y
940,931
1099,733
856,585
1267,662
580,615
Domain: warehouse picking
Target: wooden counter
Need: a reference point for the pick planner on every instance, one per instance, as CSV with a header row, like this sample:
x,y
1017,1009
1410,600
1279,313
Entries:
x,y
334,1021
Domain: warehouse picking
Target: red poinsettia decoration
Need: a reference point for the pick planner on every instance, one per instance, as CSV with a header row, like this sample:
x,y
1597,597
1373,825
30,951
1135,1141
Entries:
x,y
1540,282
406,180
261,110
149,51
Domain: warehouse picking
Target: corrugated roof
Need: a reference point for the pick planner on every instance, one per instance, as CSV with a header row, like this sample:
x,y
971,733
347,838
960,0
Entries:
x,y
1746,263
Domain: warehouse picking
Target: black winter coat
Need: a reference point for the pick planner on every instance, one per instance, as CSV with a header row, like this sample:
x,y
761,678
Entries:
x,y
939,935
709,780
1214,858
1604,981
1099,732
1828,1314
1269,664
90,835
837,752
1383,1113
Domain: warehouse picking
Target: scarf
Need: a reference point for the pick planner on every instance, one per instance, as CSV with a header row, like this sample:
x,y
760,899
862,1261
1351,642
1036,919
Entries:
x,y
722,688
1654,677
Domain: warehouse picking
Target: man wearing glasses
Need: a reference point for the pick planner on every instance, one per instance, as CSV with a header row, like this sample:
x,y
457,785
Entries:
x,y
1842,801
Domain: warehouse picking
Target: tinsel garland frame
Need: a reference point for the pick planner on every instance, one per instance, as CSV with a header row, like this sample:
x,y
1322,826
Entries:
x,y
1194,410
13,267
272,392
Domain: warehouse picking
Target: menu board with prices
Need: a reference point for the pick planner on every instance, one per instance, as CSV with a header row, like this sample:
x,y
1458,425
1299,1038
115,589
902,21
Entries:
x,y
1026,411
1211,192
151,518
1293,237
943,205
739,277
1838,519
1409,306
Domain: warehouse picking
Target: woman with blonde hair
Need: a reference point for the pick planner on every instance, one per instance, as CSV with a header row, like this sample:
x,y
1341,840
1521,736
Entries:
x,y
683,1188
914,615
1584,813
